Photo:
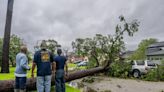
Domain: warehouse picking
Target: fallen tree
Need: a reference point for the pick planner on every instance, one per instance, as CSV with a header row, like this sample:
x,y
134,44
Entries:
x,y
110,47
8,85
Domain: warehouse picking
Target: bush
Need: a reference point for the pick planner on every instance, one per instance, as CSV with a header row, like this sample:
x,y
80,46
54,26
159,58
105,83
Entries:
x,y
91,63
151,76
119,69
155,74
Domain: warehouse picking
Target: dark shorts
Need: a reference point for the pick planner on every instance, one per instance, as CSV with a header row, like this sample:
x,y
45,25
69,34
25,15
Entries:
x,y
20,83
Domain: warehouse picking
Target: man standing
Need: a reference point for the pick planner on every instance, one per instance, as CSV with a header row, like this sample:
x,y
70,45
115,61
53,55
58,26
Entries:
x,y
43,59
60,62
21,70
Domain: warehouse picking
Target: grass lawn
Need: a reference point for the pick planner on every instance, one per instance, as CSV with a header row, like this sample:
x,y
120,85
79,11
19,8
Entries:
x,y
9,76
12,69
71,65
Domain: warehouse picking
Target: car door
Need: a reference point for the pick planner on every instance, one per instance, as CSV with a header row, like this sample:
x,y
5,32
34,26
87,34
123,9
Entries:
x,y
141,66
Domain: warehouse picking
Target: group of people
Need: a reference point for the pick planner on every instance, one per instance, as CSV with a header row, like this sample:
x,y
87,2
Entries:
x,y
47,65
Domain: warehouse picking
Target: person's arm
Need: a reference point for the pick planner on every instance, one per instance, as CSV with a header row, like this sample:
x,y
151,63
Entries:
x,y
33,68
53,63
66,69
53,67
33,65
24,63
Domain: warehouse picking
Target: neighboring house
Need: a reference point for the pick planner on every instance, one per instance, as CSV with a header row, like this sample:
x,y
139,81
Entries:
x,y
125,55
155,51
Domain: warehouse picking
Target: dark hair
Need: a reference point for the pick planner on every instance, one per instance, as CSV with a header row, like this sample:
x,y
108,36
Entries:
x,y
23,49
59,51
43,45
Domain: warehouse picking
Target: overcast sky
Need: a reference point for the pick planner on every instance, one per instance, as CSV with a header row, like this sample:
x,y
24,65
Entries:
x,y
66,20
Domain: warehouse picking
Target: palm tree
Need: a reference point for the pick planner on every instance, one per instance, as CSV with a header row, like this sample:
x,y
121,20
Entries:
x,y
6,40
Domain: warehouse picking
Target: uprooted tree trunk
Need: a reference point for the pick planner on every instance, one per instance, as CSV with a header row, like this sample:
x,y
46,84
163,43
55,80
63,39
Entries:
x,y
8,85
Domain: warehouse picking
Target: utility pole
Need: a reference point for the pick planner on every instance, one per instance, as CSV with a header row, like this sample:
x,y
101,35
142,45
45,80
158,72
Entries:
x,y
6,40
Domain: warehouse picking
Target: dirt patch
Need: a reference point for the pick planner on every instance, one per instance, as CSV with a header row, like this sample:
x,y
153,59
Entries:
x,y
123,85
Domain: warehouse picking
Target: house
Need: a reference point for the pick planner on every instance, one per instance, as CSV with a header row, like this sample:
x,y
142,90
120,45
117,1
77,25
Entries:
x,y
125,55
155,51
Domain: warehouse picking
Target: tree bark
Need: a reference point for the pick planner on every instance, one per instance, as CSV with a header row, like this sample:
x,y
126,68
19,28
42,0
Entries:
x,y
6,40
95,57
8,85
97,62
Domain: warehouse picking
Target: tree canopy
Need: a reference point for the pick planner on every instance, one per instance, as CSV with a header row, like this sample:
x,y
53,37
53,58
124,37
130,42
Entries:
x,y
14,48
105,48
140,53
52,45
15,43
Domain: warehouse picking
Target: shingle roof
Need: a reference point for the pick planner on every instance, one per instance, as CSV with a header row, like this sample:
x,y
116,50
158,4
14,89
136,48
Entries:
x,y
127,54
150,50
158,44
161,52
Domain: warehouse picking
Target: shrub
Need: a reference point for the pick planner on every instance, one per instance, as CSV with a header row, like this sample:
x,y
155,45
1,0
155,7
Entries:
x,y
91,63
155,74
151,76
119,69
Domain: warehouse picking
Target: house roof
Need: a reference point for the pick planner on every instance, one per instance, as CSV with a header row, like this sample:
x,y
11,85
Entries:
x,y
158,44
150,50
156,53
127,54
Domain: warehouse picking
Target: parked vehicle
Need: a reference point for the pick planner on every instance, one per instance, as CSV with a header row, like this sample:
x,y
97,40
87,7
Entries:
x,y
77,62
83,63
141,67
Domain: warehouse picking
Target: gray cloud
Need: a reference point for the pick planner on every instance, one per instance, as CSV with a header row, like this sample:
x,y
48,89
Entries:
x,y
65,20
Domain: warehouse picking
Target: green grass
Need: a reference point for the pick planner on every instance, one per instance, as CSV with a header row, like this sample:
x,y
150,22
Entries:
x,y
71,65
71,89
68,89
10,76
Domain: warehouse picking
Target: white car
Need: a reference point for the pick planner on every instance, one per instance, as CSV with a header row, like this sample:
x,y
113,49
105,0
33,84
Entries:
x,y
140,67
83,63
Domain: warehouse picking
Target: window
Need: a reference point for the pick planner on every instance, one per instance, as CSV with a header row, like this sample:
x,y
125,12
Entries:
x,y
156,58
132,62
140,62
148,58
150,63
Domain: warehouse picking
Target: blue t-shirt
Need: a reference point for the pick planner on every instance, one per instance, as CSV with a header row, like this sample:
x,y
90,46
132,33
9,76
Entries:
x,y
60,62
43,60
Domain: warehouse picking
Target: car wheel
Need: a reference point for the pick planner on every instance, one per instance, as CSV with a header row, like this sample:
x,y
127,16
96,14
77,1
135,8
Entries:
x,y
136,73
